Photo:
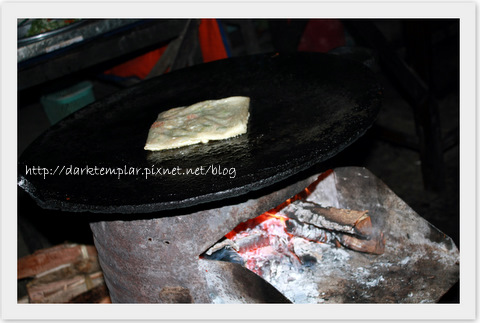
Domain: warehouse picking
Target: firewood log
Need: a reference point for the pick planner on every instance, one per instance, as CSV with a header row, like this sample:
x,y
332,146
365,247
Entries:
x,y
48,259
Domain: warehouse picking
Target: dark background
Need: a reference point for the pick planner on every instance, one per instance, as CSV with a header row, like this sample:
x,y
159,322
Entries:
x,y
413,146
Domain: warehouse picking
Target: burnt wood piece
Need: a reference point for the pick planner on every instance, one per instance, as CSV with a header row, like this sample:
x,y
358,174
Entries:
x,y
252,241
304,109
309,232
375,244
331,218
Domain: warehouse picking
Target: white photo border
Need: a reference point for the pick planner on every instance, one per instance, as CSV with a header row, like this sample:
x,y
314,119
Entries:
x,y
465,11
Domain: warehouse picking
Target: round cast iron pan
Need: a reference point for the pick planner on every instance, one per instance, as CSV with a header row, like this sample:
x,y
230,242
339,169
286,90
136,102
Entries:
x,y
305,108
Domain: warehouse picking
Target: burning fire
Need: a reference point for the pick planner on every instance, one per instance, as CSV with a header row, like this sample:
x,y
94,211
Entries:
x,y
265,238
273,212
276,235
287,244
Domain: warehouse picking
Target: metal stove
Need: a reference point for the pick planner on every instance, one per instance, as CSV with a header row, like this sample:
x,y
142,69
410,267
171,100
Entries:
x,y
158,259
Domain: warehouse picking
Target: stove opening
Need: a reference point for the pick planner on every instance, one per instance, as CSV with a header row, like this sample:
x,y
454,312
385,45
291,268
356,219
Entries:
x,y
289,244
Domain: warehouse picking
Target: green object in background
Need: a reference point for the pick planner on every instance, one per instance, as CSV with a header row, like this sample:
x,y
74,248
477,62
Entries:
x,y
39,26
60,104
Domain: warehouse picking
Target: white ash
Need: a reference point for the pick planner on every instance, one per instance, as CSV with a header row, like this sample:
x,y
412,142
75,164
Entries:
x,y
405,261
309,232
374,282
302,284
296,267
301,211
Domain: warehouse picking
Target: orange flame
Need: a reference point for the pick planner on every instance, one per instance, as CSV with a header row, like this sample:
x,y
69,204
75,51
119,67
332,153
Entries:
x,y
251,223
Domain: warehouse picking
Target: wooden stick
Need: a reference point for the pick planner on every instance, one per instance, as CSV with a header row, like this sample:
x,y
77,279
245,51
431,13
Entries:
x,y
308,231
375,245
331,218
64,289
48,259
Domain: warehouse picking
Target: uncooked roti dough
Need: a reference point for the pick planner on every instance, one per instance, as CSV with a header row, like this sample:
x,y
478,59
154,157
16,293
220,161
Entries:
x,y
199,123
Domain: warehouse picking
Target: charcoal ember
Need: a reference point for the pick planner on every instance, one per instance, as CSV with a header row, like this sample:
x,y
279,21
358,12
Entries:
x,y
252,241
308,260
308,231
307,253
225,254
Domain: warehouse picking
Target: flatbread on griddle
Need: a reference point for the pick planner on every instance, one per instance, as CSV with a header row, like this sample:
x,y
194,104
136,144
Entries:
x,y
199,123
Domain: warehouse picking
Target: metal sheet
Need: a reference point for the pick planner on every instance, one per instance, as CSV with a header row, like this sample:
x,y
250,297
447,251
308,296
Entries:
x,y
305,108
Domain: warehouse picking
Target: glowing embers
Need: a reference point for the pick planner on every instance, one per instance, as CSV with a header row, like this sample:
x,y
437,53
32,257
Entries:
x,y
297,240
265,243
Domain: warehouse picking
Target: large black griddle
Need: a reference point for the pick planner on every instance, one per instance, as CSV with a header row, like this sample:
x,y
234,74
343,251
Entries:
x,y
305,108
